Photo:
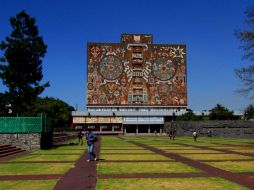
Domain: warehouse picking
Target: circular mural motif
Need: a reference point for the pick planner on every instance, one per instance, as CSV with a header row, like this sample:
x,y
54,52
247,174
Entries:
x,y
163,69
111,67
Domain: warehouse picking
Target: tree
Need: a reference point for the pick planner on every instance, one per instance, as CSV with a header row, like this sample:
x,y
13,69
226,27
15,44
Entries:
x,y
57,110
3,109
249,112
21,68
246,74
219,112
188,116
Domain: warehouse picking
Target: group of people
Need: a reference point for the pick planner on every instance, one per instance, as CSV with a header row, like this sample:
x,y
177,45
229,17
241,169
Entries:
x,y
90,138
172,134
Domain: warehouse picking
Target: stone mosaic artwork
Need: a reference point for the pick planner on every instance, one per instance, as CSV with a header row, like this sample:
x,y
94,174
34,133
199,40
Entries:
x,y
136,72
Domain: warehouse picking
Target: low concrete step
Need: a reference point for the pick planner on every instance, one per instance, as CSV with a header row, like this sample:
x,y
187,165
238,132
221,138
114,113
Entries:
x,y
4,145
11,149
12,152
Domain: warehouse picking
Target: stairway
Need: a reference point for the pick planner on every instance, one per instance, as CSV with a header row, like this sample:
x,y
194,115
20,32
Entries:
x,y
6,150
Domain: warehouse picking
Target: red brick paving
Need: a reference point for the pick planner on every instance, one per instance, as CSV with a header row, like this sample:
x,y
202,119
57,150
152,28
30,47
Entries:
x,y
83,176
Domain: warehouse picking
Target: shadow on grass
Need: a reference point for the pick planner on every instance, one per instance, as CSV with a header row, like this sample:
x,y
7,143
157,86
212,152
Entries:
x,y
64,145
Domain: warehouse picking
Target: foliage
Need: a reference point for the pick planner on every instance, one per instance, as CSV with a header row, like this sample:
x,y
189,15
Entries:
x,y
246,74
249,112
3,110
219,112
57,110
188,116
21,68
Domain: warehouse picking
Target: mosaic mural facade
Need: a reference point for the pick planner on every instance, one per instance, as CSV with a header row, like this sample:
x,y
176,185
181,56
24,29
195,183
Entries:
x,y
136,72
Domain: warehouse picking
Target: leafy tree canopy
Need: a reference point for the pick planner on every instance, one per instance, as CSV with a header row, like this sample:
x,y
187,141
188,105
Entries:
x,y
219,112
188,116
57,110
21,68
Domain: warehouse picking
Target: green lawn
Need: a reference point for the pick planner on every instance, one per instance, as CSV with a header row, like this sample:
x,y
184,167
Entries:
x,y
210,183
216,156
112,147
34,169
188,151
60,151
133,157
132,151
28,185
239,166
50,157
145,167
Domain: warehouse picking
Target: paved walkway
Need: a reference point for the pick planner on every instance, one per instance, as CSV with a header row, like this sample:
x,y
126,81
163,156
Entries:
x,y
83,176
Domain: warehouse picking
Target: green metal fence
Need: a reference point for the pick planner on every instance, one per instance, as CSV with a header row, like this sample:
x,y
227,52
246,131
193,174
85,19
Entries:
x,y
25,125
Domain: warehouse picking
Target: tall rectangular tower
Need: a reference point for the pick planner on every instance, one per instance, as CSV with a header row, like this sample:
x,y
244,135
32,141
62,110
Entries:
x,y
136,72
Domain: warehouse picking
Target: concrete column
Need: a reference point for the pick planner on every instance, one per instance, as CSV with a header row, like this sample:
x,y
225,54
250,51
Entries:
x,y
100,128
125,130
137,129
149,130
160,129
113,128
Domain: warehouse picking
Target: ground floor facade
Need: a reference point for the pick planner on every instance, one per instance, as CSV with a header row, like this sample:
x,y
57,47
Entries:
x,y
132,120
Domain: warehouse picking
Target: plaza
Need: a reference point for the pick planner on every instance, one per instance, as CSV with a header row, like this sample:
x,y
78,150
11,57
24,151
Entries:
x,y
136,163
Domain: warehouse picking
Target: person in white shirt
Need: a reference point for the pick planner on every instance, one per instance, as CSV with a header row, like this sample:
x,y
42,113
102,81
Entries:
x,y
195,135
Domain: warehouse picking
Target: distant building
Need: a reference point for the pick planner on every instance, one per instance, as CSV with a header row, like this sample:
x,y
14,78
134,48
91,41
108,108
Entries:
x,y
133,86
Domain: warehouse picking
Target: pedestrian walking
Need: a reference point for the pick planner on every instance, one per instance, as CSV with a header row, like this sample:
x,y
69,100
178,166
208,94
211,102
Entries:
x,y
170,134
173,134
195,135
209,133
80,137
90,140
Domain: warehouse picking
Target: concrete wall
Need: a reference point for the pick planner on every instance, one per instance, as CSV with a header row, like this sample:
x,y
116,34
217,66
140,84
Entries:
x,y
235,129
27,141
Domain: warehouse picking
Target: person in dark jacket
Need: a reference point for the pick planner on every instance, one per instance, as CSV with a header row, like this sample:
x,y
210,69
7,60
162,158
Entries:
x,y
90,140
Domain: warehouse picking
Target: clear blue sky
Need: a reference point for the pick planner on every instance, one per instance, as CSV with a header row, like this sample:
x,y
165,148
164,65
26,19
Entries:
x,y
206,27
